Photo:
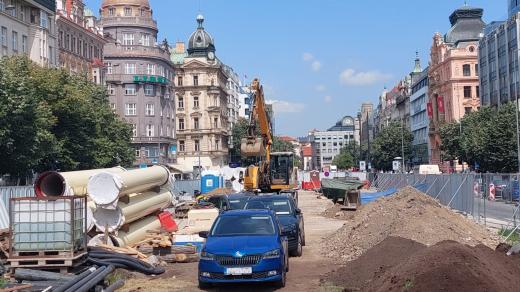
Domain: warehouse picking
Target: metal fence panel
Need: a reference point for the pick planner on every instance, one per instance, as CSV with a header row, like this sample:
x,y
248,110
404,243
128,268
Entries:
x,y
188,186
6,193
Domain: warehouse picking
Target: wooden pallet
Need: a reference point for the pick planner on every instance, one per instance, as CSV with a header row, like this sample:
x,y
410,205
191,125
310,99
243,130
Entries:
x,y
44,254
47,262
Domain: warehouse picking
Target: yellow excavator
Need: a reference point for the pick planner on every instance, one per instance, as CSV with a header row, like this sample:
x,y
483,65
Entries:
x,y
275,170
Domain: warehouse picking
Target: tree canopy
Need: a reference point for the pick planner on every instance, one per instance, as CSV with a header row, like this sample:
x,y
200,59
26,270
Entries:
x,y
388,145
50,119
487,137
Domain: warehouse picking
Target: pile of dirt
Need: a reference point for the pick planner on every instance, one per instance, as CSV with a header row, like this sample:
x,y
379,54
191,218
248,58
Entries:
x,y
398,264
408,214
335,212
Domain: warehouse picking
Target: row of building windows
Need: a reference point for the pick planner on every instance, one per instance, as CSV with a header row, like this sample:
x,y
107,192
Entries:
x,y
131,89
36,16
14,41
78,46
351,137
133,68
131,110
150,131
196,145
149,152
127,11
145,39
466,70
196,123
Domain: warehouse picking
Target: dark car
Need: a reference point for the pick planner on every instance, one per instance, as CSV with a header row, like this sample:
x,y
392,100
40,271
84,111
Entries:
x,y
289,215
230,201
244,246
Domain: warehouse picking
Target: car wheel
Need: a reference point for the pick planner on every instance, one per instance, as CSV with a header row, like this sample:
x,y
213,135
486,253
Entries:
x,y
303,234
281,283
204,285
299,249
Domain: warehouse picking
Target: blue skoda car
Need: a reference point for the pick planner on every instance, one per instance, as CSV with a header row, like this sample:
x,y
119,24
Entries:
x,y
244,246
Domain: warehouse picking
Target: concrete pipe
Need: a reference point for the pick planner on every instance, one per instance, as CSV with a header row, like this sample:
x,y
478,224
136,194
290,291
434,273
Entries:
x,y
139,206
105,188
137,231
73,183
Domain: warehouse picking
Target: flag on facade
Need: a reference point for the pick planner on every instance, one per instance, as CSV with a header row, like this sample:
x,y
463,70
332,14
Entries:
x,y
440,104
429,106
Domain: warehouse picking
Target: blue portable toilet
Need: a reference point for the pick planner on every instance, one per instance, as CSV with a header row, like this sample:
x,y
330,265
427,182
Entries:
x,y
210,180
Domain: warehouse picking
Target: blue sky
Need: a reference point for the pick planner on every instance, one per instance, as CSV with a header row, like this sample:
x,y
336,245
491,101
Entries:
x,y
319,59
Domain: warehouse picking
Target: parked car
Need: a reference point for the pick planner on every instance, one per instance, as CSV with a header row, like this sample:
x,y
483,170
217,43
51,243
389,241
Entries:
x,y
230,201
289,215
244,246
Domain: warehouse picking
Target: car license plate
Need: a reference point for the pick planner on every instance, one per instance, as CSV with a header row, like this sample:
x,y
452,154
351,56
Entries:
x,y
239,271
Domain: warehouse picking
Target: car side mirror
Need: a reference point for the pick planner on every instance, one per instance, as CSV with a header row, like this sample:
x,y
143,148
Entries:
x,y
204,234
224,208
298,211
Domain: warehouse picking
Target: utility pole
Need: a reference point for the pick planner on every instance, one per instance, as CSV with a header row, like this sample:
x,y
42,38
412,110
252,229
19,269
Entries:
x,y
368,141
517,117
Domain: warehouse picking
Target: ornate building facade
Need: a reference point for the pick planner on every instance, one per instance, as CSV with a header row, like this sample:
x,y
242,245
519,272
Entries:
x,y
453,74
139,78
205,102
80,40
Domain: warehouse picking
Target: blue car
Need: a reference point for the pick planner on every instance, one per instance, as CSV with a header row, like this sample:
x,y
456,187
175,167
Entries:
x,y
244,246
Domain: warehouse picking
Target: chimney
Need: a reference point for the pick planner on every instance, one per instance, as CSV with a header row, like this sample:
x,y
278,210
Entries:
x,y
180,47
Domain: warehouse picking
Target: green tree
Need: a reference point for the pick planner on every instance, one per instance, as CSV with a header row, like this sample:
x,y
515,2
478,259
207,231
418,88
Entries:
x,y
344,160
389,144
50,119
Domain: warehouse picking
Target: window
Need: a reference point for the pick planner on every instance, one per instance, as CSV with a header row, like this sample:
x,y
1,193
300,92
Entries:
x,y
467,110
129,68
130,109
15,41
215,123
466,70
24,44
476,69
197,145
167,130
150,109
2,5
137,152
145,40
182,146
134,130
196,123
195,101
111,89
477,90
195,80
217,143
149,90
150,69
110,69
150,130
128,11
44,19
181,124
181,102
111,11
130,89
179,80
4,36
467,91
128,39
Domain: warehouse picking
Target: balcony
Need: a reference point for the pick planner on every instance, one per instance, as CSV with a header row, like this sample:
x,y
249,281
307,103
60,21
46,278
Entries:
x,y
135,51
128,21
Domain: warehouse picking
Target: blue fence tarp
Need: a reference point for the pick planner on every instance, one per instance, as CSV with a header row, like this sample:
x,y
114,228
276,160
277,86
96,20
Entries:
x,y
370,197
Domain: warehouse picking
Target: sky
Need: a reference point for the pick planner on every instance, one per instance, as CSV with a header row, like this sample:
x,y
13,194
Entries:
x,y
318,60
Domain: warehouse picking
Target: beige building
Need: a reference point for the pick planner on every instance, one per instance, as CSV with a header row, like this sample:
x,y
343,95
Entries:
x,y
28,27
80,40
204,111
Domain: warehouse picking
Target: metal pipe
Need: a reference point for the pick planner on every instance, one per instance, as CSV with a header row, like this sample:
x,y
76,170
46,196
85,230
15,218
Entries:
x,y
105,188
73,183
74,280
96,279
116,285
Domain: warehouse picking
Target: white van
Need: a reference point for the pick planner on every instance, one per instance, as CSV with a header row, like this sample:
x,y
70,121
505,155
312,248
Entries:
x,y
427,169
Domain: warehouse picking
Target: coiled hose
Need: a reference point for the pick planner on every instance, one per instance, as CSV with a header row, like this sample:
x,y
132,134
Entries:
x,y
102,257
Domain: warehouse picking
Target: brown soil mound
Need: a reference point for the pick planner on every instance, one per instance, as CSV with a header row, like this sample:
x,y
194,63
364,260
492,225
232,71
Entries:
x,y
398,264
409,214
335,212
374,263
451,266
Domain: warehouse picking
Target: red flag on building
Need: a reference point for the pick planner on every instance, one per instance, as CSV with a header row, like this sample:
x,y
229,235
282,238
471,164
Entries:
x,y
429,106
440,104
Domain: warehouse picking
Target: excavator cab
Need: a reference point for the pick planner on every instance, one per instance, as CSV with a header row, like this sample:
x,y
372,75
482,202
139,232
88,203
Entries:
x,y
281,170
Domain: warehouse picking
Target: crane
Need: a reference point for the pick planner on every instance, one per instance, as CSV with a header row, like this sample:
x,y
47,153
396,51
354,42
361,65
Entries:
x,y
275,171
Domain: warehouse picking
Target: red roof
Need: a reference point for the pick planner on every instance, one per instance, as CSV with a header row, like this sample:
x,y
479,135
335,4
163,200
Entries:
x,y
287,138
307,150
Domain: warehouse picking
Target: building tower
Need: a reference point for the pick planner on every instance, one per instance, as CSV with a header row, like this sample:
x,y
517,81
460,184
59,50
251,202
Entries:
x,y
138,76
204,102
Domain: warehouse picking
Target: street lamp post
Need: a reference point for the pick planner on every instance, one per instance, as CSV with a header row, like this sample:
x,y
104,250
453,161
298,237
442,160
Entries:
x,y
402,145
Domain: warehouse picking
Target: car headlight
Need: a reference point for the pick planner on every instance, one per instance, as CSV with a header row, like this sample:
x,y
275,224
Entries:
x,y
273,254
204,255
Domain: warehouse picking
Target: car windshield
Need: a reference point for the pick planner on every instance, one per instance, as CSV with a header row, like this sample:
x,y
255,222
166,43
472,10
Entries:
x,y
237,203
243,225
279,206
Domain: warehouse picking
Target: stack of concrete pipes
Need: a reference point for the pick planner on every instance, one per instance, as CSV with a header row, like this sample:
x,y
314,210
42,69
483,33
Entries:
x,y
122,203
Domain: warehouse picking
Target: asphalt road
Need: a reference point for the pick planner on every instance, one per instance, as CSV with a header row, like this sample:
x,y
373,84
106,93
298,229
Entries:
x,y
494,210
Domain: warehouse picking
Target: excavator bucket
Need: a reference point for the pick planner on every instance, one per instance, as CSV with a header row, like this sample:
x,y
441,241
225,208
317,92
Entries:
x,y
252,146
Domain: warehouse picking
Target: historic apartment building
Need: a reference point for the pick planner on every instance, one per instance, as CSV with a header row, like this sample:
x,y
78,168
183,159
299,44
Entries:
x,y
80,40
28,27
206,102
139,78
453,74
